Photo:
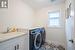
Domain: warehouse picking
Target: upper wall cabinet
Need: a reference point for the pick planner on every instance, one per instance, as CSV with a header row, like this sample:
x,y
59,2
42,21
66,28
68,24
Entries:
x,y
3,3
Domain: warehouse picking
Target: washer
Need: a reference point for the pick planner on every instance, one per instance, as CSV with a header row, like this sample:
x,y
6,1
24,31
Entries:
x,y
35,39
43,33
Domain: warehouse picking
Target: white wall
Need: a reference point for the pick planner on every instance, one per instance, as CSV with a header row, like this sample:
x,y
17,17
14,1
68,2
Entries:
x,y
18,13
52,34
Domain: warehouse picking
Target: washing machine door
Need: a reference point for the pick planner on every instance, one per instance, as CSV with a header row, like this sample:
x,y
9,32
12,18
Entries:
x,y
37,41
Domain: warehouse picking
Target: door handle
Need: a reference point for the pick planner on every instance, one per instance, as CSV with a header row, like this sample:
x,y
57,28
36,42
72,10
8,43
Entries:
x,y
71,41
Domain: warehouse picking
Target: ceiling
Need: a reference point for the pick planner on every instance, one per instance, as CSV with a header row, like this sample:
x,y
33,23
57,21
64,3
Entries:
x,y
43,3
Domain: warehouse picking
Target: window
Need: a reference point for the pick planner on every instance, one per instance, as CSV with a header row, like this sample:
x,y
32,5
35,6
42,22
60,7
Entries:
x,y
54,19
3,3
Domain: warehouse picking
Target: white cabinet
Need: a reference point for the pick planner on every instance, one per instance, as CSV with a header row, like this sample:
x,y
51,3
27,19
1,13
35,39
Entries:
x,y
18,43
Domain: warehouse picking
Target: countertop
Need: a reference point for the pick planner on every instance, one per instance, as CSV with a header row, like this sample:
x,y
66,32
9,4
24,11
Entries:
x,y
11,35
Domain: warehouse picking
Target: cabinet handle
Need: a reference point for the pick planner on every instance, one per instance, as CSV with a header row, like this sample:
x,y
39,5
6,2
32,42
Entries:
x,y
15,47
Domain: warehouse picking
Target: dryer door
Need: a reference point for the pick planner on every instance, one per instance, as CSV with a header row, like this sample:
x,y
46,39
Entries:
x,y
37,41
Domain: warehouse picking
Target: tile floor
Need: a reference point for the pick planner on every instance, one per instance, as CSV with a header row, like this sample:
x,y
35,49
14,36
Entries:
x,y
42,48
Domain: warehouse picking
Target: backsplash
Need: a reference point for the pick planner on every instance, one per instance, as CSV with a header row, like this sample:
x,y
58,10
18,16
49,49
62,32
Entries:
x,y
22,30
3,28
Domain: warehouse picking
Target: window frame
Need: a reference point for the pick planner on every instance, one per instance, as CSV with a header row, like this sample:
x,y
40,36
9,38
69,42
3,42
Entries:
x,y
56,17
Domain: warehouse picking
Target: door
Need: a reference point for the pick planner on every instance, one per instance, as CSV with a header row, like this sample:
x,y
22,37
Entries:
x,y
69,33
70,28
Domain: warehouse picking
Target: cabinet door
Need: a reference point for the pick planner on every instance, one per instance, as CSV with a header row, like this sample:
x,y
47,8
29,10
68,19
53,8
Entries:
x,y
24,43
8,45
4,47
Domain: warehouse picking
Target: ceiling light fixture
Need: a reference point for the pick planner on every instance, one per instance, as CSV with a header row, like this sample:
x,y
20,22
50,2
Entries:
x,y
39,0
53,0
